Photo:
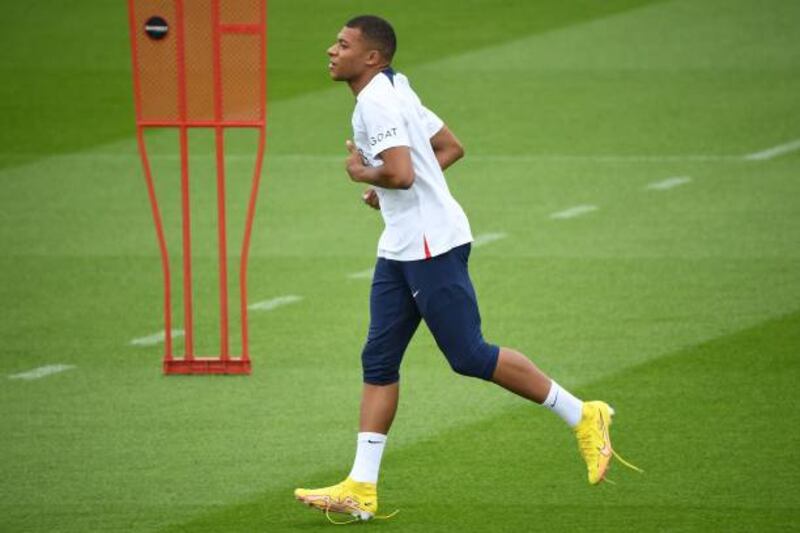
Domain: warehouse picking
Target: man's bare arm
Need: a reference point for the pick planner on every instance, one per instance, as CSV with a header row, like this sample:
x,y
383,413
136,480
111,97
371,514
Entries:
x,y
395,173
447,147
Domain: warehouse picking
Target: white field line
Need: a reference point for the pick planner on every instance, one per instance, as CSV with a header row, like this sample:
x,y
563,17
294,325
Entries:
x,y
156,338
362,274
41,372
573,212
490,158
668,183
486,238
775,151
274,303
605,158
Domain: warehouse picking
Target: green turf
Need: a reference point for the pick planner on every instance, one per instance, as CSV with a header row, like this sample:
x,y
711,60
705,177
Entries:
x,y
678,306
66,68
516,473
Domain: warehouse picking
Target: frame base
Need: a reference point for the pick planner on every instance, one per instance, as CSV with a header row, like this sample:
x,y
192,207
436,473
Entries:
x,y
206,365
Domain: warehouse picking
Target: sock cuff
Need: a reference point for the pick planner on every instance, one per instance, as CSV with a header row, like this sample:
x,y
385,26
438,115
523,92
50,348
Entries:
x,y
372,438
552,395
564,404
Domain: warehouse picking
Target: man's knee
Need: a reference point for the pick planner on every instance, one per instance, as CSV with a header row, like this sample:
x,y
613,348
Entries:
x,y
381,363
451,312
477,360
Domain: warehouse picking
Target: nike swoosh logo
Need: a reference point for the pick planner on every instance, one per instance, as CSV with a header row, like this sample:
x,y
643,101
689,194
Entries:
x,y
375,441
414,294
555,400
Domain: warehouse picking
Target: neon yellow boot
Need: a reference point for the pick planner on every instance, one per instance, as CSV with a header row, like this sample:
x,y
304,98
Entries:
x,y
594,441
355,498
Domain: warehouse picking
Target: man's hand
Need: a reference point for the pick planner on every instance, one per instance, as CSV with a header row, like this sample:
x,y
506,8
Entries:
x,y
370,198
396,172
354,162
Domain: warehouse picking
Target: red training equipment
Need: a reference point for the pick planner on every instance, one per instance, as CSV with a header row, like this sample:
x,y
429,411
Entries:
x,y
200,64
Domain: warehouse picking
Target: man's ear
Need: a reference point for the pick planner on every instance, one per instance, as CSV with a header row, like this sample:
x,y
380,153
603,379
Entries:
x,y
374,58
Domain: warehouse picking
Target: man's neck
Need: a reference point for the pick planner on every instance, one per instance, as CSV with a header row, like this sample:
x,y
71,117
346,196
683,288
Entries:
x,y
358,84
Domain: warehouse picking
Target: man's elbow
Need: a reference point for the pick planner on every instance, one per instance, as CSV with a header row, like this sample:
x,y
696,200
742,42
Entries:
x,y
458,151
405,180
398,178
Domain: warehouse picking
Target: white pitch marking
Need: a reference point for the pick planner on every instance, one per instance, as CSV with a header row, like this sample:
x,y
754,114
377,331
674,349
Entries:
x,y
486,238
573,212
668,183
362,274
269,305
775,151
41,372
606,158
156,338
501,158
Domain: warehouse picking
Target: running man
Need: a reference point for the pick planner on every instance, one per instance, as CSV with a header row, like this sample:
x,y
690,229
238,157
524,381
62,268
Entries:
x,y
400,151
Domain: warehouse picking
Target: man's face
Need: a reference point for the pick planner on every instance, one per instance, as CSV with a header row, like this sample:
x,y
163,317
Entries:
x,y
348,55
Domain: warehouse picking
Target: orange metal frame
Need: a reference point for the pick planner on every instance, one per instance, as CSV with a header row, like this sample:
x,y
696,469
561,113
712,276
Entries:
x,y
190,363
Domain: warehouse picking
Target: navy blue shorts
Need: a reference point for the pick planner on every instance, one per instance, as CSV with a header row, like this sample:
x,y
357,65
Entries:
x,y
438,290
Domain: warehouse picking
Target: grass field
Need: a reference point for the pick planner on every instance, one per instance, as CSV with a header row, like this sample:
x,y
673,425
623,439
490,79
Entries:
x,y
673,292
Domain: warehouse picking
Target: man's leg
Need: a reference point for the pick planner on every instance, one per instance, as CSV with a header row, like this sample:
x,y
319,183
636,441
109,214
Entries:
x,y
378,406
518,374
447,301
393,320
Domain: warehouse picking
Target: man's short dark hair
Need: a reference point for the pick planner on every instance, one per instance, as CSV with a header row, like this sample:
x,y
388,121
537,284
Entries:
x,y
378,31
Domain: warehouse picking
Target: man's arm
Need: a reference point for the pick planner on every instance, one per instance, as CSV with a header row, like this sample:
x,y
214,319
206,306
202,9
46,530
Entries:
x,y
447,147
395,173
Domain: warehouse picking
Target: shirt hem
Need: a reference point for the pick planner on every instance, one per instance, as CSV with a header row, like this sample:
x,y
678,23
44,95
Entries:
x,y
421,256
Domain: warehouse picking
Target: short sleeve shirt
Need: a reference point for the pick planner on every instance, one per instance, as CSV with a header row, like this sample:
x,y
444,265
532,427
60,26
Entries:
x,y
424,220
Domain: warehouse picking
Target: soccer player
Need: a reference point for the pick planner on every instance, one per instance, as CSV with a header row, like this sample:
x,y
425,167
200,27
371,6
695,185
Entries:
x,y
400,149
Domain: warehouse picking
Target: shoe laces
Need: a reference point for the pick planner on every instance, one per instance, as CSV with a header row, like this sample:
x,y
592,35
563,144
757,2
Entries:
x,y
588,443
356,518
626,463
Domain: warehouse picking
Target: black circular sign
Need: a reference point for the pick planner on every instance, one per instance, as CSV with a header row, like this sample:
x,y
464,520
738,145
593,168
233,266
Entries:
x,y
156,28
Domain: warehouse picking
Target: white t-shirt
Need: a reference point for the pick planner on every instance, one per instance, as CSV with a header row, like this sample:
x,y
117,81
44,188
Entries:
x,y
424,220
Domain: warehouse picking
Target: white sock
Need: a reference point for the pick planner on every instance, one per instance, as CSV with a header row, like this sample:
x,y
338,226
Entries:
x,y
368,457
564,404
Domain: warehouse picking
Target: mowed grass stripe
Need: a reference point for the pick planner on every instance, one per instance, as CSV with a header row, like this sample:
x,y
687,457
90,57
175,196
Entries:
x,y
126,154
707,466
82,96
626,66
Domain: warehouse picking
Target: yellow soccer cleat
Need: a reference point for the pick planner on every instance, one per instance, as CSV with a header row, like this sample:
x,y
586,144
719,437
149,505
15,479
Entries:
x,y
355,498
594,441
